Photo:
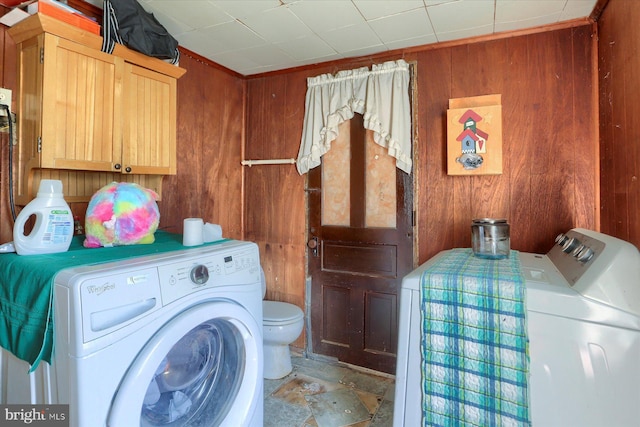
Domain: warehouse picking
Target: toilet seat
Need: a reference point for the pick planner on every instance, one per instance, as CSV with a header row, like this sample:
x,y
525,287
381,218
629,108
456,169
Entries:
x,y
277,313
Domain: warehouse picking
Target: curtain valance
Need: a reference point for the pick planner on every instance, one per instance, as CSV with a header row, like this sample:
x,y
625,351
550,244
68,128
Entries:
x,y
381,95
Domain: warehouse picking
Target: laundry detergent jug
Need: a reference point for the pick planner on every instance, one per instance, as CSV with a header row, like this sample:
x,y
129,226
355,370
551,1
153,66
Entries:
x,y
53,229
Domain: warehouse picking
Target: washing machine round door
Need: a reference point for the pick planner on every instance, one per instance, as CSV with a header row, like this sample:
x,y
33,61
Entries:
x,y
202,368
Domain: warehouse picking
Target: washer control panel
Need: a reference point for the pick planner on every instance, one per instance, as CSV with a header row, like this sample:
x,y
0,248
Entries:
x,y
237,267
574,253
582,251
600,267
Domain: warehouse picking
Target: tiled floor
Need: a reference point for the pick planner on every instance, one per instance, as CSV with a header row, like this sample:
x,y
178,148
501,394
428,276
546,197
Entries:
x,y
319,394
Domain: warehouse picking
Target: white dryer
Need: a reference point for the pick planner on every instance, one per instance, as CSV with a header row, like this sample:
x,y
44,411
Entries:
x,y
583,314
170,339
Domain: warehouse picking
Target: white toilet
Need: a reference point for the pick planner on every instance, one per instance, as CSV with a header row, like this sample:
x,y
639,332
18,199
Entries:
x,y
281,325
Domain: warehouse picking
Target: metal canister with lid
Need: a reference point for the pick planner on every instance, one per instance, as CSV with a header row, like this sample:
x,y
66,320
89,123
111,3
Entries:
x,y
490,238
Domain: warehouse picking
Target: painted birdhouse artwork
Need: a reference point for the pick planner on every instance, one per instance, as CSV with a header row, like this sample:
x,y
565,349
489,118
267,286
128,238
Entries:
x,y
474,136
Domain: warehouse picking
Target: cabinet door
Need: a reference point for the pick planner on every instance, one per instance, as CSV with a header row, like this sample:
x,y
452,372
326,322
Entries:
x,y
149,122
29,103
79,129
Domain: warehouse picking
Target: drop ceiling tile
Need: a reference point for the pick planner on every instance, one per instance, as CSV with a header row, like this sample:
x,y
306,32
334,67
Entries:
x,y
309,47
402,26
525,10
326,15
235,61
378,9
531,22
577,9
464,33
267,56
354,37
277,25
194,14
417,41
229,29
461,15
171,25
223,38
435,2
194,41
369,50
244,8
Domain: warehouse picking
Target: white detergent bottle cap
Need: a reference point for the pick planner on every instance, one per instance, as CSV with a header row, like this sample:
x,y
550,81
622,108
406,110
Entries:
x,y
50,188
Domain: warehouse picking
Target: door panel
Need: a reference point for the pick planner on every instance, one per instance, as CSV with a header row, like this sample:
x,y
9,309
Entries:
x,y
359,259
384,306
360,213
335,329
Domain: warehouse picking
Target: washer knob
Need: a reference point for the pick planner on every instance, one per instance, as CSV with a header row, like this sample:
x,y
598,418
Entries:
x,y
577,250
585,255
199,274
570,244
561,238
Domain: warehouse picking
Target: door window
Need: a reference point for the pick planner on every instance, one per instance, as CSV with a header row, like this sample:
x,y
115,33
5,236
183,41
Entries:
x,y
379,177
380,185
336,170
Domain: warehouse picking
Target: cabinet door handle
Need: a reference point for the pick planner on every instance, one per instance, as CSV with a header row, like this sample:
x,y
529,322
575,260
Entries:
x,y
117,166
127,169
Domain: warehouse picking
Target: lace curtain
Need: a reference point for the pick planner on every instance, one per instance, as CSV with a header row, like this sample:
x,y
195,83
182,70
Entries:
x,y
381,95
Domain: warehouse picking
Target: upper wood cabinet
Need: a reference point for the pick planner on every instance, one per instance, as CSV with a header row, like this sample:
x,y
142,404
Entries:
x,y
67,105
79,108
149,127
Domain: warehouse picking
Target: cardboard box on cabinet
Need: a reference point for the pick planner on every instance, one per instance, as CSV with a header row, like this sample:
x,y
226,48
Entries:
x,y
64,13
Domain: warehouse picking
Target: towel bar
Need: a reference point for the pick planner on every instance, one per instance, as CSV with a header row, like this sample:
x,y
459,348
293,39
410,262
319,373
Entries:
x,y
268,162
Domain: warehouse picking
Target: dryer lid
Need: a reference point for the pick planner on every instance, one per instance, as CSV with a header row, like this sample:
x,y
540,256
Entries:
x,y
274,311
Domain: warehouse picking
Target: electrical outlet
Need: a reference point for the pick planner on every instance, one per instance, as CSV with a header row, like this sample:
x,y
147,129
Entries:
x,y
5,98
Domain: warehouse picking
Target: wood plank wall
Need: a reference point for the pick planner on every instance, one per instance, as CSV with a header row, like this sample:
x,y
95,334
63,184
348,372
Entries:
x,y
210,131
550,142
549,183
211,120
619,83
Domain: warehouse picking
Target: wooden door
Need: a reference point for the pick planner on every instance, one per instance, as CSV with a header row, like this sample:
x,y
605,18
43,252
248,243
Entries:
x,y
360,247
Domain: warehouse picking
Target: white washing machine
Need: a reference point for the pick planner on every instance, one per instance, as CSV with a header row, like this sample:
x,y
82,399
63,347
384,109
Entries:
x,y
171,339
583,317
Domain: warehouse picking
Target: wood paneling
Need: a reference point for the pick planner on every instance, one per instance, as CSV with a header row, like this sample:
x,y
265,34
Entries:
x,y
542,161
550,145
274,197
550,165
210,131
619,83
209,150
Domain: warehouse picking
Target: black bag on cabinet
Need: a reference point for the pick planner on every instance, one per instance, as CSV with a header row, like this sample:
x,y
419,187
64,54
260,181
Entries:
x,y
127,23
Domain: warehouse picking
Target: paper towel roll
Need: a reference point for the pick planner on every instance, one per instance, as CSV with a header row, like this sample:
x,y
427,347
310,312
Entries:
x,y
192,232
211,232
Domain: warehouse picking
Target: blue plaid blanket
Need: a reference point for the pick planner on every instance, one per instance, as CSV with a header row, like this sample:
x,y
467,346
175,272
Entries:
x,y
475,358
